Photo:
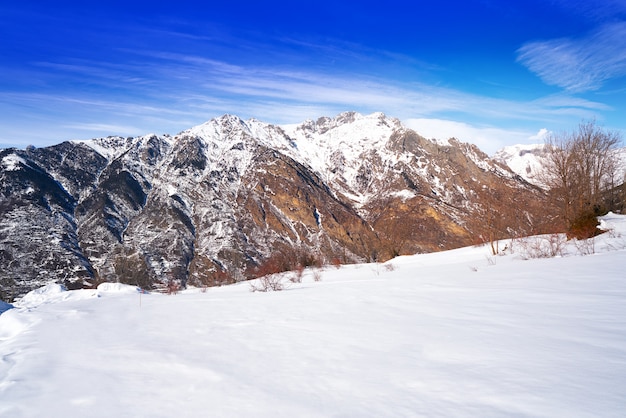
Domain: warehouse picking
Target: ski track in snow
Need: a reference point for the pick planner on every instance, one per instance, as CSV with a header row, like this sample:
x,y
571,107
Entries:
x,y
456,333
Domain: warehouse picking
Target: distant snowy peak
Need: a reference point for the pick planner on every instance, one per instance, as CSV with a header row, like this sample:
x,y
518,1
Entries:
x,y
349,134
213,128
353,119
346,126
523,159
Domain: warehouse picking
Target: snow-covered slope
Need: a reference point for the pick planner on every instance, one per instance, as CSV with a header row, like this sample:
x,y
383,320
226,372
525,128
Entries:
x,y
338,147
455,333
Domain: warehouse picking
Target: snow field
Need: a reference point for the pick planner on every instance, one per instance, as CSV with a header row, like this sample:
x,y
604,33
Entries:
x,y
438,335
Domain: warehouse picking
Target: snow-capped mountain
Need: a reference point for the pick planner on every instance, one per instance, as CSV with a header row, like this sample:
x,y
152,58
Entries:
x,y
525,160
218,199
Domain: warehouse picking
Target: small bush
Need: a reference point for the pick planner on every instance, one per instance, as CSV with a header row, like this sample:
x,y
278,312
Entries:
x,y
296,277
269,283
585,226
222,278
545,246
336,262
286,259
173,287
585,246
614,234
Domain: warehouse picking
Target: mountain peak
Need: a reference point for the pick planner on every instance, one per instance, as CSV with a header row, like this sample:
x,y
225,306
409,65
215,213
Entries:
x,y
219,128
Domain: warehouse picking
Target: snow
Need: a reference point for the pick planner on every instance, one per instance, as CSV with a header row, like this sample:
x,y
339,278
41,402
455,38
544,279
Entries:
x,y
12,162
317,142
457,333
113,147
107,147
116,288
405,194
52,293
171,190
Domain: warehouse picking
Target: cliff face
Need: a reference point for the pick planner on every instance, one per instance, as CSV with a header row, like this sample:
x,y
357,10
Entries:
x,y
218,199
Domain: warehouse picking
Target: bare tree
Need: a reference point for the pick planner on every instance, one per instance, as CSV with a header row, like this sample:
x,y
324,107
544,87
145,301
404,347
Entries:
x,y
579,167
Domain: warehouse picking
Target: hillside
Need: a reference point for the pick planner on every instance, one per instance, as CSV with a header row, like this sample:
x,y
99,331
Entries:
x,y
455,333
213,203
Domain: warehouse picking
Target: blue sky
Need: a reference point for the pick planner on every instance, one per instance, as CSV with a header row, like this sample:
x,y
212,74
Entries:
x,y
490,72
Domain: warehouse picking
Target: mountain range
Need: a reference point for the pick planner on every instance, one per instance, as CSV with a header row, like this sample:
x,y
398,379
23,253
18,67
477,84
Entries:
x,y
213,203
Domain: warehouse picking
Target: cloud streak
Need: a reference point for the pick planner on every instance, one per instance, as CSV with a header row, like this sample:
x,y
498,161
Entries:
x,y
488,138
205,82
163,90
185,90
579,65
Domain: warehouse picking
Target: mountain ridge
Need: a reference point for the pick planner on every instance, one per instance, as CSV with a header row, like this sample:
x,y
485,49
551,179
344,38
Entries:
x,y
215,201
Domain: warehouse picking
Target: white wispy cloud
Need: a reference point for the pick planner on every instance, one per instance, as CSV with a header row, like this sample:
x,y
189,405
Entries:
x,y
487,138
598,10
168,91
113,129
404,100
540,136
187,90
582,64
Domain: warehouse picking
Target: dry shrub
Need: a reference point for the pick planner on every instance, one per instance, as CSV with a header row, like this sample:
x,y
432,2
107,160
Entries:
x,y
613,233
287,259
294,259
172,287
269,283
585,246
296,277
389,267
317,275
222,278
543,246
336,262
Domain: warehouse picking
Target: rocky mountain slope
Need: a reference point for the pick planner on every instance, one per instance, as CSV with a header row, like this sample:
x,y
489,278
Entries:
x,y
214,202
